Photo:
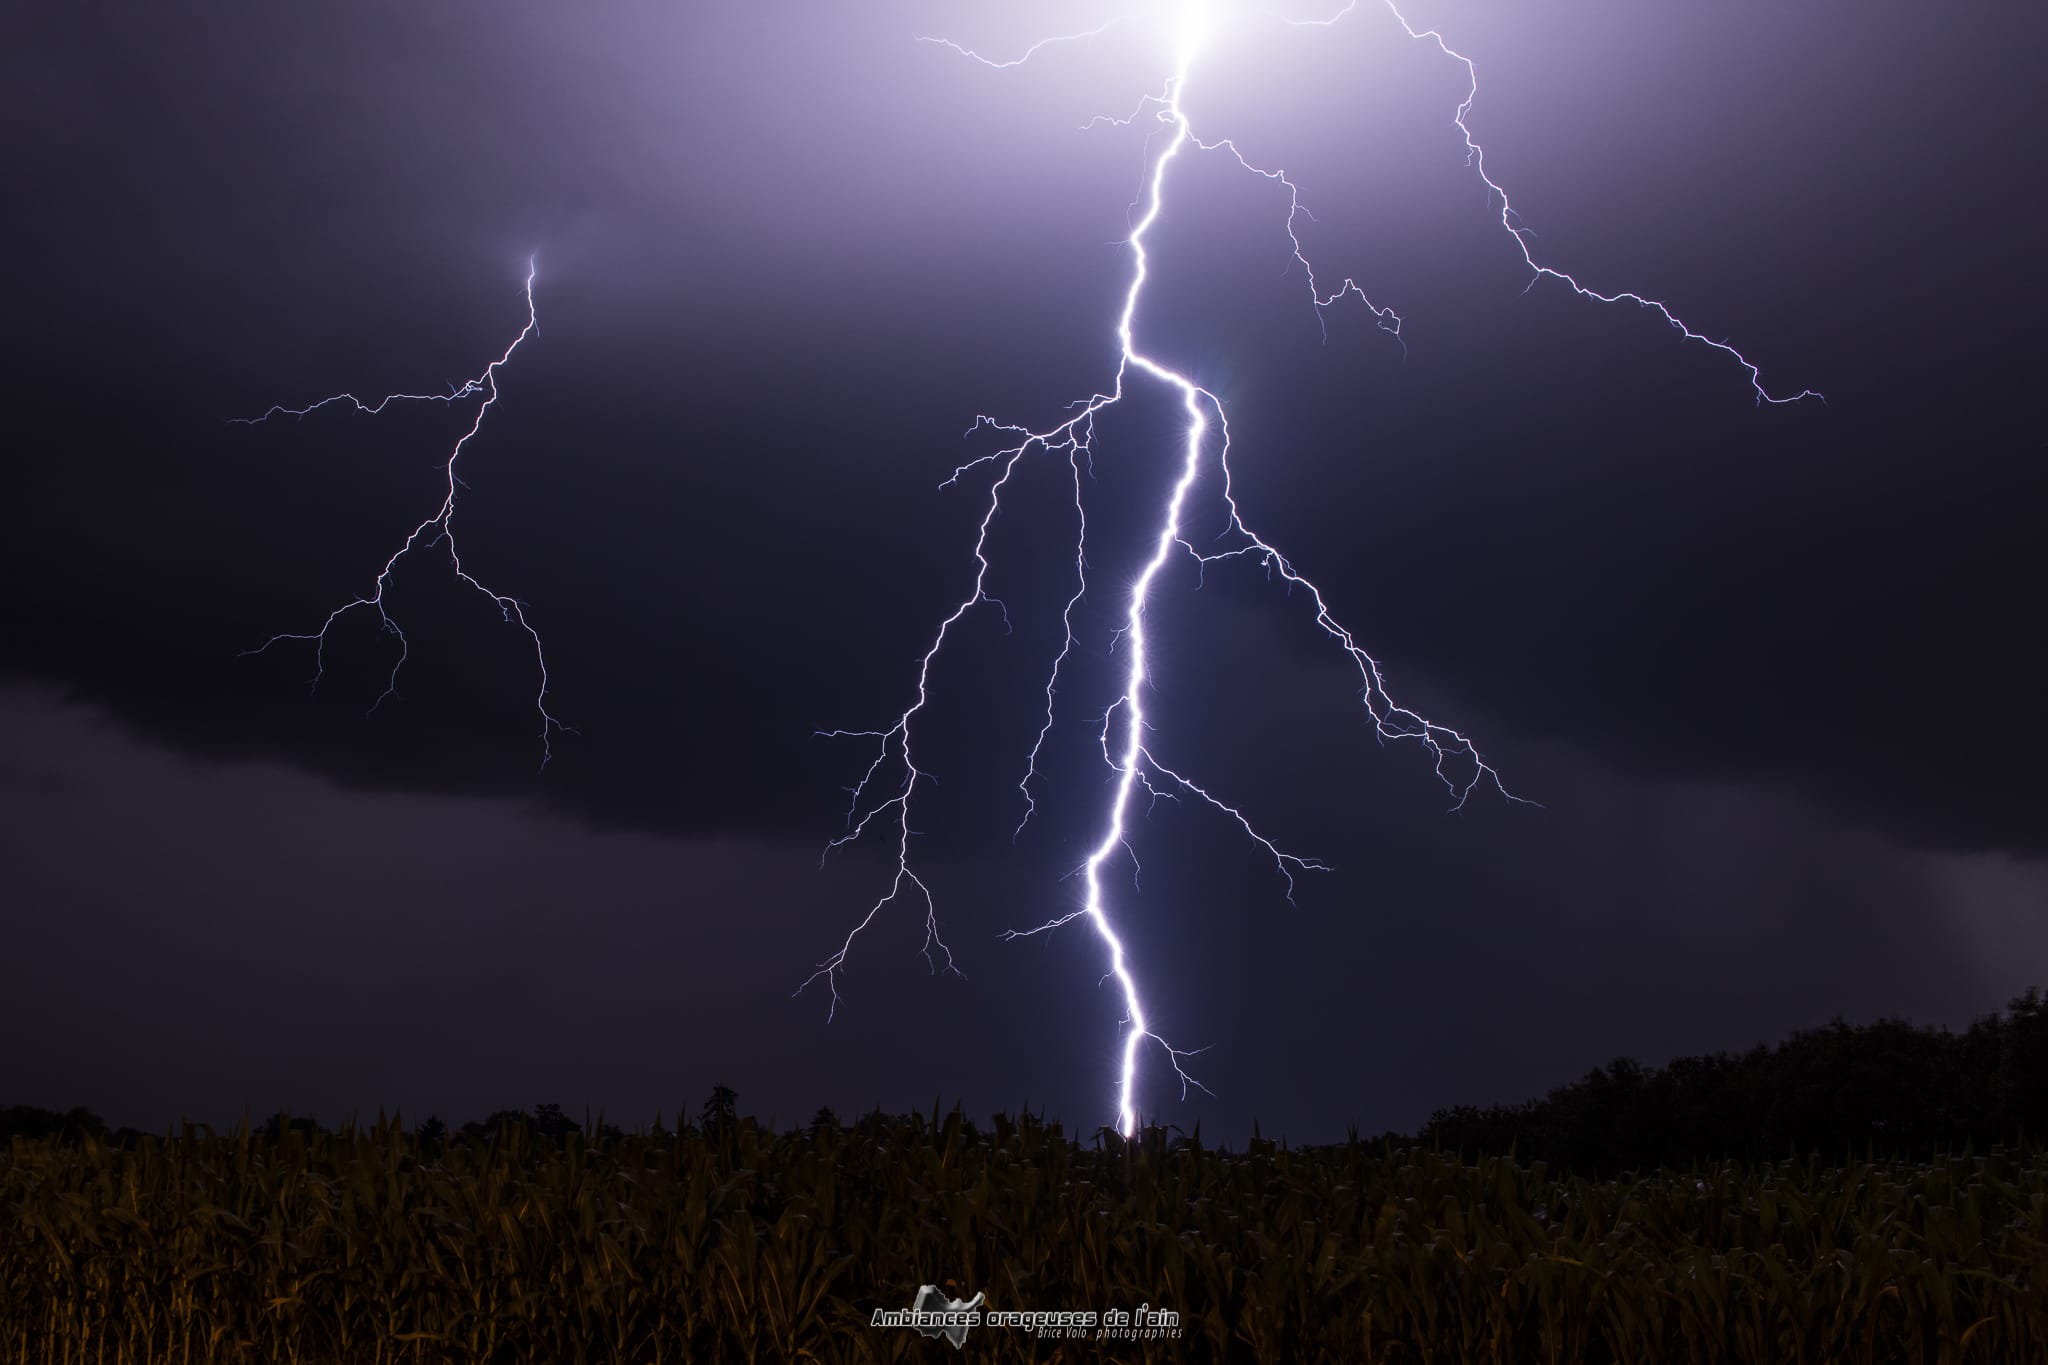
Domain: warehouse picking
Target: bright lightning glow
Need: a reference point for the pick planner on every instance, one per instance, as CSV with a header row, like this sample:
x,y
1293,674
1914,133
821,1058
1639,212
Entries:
x,y
441,523
886,790
1194,24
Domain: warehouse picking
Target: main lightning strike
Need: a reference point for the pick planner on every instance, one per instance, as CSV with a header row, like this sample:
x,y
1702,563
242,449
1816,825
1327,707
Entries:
x,y
1457,761
441,523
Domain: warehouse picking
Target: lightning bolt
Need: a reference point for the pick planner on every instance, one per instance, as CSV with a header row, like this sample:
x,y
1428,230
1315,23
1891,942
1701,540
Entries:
x,y
883,797
1475,157
441,524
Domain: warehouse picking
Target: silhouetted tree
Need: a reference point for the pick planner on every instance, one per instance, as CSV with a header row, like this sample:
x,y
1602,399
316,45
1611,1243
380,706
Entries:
x,y
278,1124
432,1135
720,1114
551,1123
27,1121
482,1130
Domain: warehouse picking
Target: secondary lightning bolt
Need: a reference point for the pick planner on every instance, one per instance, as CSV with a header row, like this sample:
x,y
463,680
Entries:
x,y
1475,157
441,523
1125,749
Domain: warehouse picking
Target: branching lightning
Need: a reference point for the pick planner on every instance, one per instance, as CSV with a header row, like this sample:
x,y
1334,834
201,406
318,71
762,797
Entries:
x,y
441,523
884,796
1475,157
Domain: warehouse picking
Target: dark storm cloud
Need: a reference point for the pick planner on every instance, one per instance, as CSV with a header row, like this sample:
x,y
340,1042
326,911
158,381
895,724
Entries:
x,y
220,938
786,254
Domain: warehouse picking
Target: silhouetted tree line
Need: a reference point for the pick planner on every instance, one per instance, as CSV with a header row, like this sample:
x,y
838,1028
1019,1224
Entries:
x,y
27,1121
546,1123
1841,1091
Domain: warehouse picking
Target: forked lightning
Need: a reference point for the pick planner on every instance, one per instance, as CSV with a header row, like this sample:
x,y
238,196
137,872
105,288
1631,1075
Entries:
x,y
441,524
882,799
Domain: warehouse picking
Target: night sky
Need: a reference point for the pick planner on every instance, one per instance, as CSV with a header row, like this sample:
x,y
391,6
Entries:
x,y
1772,672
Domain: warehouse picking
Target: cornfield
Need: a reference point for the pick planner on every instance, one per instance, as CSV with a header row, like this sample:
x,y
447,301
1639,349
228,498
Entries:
x,y
372,1247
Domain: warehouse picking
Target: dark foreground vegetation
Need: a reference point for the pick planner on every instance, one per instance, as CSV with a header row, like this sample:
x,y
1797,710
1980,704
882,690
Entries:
x,y
536,1238
1839,1092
